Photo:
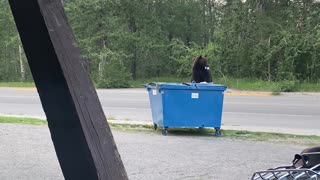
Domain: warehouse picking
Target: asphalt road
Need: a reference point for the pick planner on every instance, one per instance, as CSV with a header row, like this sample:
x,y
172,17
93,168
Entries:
x,y
289,113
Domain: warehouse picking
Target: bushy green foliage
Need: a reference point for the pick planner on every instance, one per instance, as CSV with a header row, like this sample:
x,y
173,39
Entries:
x,y
113,73
114,76
285,86
9,48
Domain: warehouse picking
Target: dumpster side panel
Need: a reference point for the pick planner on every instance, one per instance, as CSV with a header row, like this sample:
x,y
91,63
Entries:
x,y
156,105
192,108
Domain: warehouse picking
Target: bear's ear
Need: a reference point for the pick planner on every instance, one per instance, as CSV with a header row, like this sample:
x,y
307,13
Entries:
x,y
198,58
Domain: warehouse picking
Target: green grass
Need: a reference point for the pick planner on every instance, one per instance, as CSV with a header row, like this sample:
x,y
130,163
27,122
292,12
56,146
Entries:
x,y
230,134
273,137
242,84
247,84
239,84
17,84
309,87
231,83
14,120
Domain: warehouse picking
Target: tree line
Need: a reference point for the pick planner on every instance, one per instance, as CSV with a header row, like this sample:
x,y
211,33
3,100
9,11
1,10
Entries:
x,y
272,40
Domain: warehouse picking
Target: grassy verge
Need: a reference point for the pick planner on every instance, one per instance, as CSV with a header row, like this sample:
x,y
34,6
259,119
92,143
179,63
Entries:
x,y
231,134
232,83
308,87
243,84
17,84
14,120
240,84
247,84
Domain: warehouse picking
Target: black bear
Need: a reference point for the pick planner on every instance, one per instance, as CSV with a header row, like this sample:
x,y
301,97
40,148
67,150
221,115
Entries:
x,y
201,71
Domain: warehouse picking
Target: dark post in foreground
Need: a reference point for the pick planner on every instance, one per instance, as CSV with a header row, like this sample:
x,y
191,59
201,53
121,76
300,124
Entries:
x,y
82,138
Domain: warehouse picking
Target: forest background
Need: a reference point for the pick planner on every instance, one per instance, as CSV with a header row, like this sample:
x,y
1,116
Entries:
x,y
253,45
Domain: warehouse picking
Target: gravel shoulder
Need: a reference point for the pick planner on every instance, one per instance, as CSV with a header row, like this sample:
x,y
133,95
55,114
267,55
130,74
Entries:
x,y
26,153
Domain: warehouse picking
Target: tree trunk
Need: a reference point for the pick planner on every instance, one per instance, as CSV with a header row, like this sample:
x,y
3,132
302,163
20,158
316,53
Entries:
x,y
102,61
211,12
269,63
170,36
134,67
133,29
22,67
205,27
188,33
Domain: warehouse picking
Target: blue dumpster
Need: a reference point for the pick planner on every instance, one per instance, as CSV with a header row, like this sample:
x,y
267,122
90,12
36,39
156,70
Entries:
x,y
194,105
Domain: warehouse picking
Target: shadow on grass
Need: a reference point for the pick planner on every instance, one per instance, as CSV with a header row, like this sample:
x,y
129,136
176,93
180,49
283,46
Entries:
x,y
230,134
203,132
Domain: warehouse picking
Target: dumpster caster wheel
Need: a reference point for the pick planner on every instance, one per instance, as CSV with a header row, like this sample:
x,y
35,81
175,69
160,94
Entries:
x,y
155,126
218,132
164,132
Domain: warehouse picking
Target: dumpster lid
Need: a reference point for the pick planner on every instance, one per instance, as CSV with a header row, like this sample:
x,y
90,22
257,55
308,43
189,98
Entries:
x,y
186,86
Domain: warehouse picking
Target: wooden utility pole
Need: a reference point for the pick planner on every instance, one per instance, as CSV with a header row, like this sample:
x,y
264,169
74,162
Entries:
x,y
81,136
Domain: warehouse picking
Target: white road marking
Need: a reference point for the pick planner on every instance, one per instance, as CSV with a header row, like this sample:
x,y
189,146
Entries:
x,y
23,116
19,96
267,114
109,99
275,104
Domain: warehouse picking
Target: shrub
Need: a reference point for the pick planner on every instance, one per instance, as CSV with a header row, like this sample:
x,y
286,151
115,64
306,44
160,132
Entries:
x,y
285,86
114,75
